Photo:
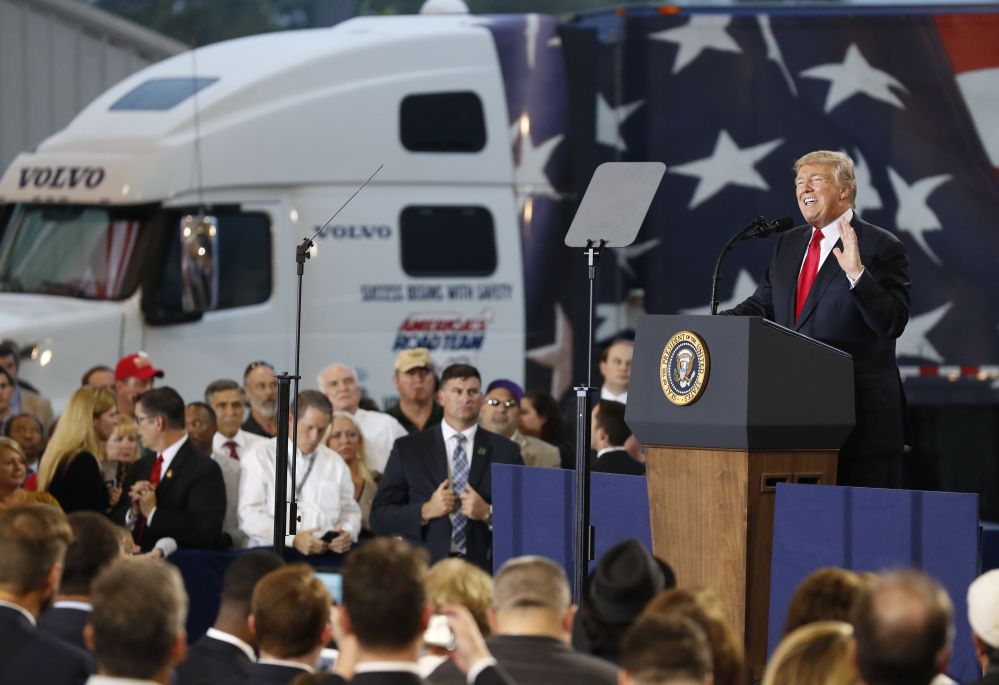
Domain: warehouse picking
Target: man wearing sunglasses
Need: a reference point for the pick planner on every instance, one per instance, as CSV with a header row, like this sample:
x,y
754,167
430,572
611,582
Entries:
x,y
501,414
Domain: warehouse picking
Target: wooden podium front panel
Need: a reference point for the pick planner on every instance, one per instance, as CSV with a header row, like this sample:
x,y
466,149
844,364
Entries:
x,y
712,515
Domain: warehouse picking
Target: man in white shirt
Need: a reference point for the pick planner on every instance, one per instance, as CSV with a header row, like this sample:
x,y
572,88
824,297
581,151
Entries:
x,y
330,519
339,383
229,443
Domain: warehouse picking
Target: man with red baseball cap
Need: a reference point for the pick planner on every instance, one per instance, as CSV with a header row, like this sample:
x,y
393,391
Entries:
x,y
134,374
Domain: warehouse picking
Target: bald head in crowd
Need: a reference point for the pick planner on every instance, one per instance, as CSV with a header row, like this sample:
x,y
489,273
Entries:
x,y
531,597
904,627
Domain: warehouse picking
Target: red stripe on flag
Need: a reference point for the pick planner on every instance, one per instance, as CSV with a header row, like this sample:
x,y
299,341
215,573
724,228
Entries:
x,y
971,40
927,371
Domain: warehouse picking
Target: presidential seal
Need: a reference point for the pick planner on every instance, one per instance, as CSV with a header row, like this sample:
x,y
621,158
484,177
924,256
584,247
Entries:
x,y
683,370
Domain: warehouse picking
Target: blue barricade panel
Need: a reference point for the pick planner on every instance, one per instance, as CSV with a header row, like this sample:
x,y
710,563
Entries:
x,y
534,513
868,529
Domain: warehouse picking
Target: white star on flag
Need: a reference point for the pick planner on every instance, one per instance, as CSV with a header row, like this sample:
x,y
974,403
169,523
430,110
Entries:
x,y
773,51
868,196
529,172
558,355
624,255
702,32
728,165
610,119
744,287
914,216
913,341
615,317
855,75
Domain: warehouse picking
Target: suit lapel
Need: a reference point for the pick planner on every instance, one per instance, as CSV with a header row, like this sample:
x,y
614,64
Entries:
x,y
439,458
168,477
827,274
479,457
789,270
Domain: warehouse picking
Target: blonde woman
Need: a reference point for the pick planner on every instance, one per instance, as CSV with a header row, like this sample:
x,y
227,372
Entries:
x,y
70,469
120,452
814,654
346,440
13,469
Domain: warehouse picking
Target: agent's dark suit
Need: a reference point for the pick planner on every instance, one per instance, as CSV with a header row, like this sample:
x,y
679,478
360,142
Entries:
x,y
66,624
416,466
864,322
211,661
493,675
270,674
618,461
190,500
28,656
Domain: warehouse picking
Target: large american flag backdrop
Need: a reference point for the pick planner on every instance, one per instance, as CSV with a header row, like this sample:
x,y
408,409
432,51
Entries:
x,y
727,100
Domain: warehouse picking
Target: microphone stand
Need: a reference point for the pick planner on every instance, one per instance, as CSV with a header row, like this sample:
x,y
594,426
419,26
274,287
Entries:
x,y
754,225
281,459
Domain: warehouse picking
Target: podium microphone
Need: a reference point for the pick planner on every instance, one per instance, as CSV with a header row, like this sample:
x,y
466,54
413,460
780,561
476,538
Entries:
x,y
758,228
763,229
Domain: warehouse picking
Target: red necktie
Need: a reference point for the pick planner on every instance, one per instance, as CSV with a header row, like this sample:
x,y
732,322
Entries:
x,y
808,271
231,444
154,480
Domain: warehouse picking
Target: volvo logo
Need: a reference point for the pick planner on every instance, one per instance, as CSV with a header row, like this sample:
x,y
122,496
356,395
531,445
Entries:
x,y
61,176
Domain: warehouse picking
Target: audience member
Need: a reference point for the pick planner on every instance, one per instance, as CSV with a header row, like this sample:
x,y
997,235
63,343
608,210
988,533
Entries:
x,y
615,367
94,548
100,375
290,618
455,581
120,451
665,650
903,624
25,399
608,435
136,628
200,423
12,474
417,407
437,488
540,418
260,387
703,606
179,492
501,414
71,470
133,375
228,444
330,519
531,618
226,652
33,542
346,440
7,388
339,383
29,433
818,653
624,580
385,610
827,594
983,615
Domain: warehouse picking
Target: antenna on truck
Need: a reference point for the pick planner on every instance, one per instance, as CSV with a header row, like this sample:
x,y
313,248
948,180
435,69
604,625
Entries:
x,y
286,513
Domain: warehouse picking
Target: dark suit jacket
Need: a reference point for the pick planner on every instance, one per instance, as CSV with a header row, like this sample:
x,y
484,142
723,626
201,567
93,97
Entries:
x,y
211,661
29,656
864,322
617,461
190,500
535,660
270,674
65,624
489,676
416,466
79,486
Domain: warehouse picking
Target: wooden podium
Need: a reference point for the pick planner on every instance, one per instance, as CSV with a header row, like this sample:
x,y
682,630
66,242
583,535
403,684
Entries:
x,y
775,406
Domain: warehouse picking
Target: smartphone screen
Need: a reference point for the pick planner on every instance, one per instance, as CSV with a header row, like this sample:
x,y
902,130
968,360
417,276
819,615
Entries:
x,y
438,633
333,583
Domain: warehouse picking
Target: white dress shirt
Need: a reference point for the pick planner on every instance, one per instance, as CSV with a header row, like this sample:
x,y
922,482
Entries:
x,y
223,636
606,394
230,474
380,432
326,499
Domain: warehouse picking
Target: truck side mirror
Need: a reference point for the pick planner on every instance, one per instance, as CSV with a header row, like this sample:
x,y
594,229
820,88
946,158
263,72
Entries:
x,y
199,270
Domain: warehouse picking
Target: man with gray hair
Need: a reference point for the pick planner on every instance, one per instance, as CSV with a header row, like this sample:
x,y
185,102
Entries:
x,y
137,626
983,615
531,620
340,384
903,623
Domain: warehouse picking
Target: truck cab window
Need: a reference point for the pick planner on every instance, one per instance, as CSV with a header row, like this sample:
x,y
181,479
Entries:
x,y
438,241
442,122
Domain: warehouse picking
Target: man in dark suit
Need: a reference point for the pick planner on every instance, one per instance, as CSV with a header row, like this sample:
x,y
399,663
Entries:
x,y
437,487
33,542
608,434
531,620
178,492
845,282
225,653
290,617
137,626
94,548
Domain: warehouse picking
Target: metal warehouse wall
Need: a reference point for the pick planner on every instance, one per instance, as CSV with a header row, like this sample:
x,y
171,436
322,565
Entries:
x,y
58,55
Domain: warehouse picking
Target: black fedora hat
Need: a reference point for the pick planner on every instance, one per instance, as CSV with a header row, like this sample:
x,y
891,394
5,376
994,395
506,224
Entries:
x,y
625,579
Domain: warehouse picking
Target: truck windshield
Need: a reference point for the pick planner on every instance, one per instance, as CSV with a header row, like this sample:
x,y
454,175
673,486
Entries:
x,y
74,250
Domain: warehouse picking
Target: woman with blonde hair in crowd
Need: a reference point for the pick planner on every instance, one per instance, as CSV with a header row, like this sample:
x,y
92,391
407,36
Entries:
x,y
71,470
346,440
13,470
120,452
814,654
